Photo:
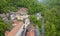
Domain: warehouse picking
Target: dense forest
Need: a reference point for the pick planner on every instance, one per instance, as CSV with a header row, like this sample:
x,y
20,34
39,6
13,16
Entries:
x,y
50,10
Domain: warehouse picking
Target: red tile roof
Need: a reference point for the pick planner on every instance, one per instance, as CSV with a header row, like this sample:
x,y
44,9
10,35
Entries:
x,y
31,31
15,29
22,9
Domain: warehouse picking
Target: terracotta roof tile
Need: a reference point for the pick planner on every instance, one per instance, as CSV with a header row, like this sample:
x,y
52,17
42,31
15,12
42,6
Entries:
x,y
15,29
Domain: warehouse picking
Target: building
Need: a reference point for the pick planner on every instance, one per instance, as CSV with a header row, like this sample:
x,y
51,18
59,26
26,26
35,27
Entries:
x,y
20,23
22,13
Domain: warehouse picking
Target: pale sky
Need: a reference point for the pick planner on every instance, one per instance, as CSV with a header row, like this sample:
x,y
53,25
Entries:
x,y
39,0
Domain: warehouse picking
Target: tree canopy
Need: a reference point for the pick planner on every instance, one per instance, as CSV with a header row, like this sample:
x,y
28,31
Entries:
x,y
50,10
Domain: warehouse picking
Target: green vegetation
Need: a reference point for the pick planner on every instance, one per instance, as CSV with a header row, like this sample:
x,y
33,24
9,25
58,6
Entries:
x,y
50,10
3,27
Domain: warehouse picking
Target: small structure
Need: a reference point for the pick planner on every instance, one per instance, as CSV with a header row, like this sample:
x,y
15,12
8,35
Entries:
x,y
4,18
22,13
30,30
21,23
6,32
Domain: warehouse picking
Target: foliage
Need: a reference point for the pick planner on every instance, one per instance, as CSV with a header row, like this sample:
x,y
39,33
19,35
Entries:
x,y
33,19
50,10
3,27
12,5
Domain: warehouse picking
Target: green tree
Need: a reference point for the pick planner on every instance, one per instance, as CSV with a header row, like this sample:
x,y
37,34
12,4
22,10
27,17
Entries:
x,y
3,27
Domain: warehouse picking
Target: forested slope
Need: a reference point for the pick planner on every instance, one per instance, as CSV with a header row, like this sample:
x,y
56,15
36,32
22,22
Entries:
x,y
50,10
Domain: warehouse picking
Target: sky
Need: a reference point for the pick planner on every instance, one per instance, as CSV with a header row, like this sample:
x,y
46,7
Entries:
x,y
43,1
40,0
